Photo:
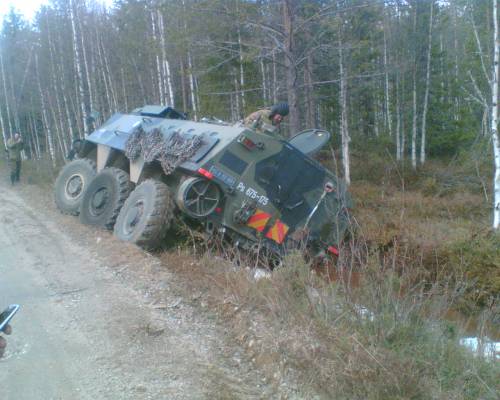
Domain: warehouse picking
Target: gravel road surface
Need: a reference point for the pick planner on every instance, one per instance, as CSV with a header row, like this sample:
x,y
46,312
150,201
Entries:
x,y
101,319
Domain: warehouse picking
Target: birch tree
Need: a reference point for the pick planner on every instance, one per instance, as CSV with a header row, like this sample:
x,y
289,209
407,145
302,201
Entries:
x,y
344,129
414,93
494,119
427,88
79,75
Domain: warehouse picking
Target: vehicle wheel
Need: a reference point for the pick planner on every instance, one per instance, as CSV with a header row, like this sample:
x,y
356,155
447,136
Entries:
x,y
147,215
104,197
71,184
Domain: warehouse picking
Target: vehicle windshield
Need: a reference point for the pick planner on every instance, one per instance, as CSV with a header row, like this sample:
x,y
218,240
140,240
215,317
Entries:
x,y
286,177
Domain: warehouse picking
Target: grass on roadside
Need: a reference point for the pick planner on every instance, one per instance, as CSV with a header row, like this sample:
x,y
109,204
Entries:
x,y
382,340
34,172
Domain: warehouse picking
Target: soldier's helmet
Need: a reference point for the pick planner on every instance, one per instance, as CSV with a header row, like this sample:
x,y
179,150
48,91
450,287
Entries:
x,y
281,109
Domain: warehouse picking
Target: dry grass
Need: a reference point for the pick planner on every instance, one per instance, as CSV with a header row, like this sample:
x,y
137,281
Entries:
x,y
296,326
423,253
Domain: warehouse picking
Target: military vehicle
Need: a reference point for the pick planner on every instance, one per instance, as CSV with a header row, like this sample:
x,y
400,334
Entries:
x,y
138,170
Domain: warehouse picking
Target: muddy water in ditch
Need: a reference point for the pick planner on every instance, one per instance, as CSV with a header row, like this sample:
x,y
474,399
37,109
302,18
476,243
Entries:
x,y
481,337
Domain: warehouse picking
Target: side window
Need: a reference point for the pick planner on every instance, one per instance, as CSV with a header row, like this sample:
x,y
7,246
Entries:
x,y
233,162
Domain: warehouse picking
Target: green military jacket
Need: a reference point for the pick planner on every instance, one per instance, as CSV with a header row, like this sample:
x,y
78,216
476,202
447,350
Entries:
x,y
15,149
261,121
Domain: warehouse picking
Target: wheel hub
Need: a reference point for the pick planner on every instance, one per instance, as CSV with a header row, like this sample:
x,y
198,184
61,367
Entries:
x,y
74,186
133,217
99,199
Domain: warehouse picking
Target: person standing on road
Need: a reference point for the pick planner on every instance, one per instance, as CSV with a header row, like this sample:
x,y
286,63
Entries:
x,y
267,120
15,145
3,343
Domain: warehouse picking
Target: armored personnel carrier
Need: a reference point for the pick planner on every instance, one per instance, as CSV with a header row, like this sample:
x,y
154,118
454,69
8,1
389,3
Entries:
x,y
138,170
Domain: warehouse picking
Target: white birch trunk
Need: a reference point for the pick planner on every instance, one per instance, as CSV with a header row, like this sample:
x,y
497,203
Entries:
x,y
161,36
414,96
343,117
414,125
85,63
35,137
170,84
197,92
2,127
183,85
59,139
191,78
263,77
124,91
387,94
79,75
192,87
403,125
48,131
242,72
103,74
398,121
275,79
60,74
237,97
67,113
114,104
6,97
309,92
427,86
234,116
158,62
494,120
167,77
59,120
14,109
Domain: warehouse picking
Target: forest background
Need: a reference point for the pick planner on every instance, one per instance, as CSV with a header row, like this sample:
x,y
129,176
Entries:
x,y
408,77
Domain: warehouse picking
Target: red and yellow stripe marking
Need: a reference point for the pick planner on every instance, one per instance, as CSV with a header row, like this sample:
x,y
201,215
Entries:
x,y
259,220
277,232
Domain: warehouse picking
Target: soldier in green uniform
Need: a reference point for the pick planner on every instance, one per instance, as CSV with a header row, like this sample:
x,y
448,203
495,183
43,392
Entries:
x,y
15,145
267,120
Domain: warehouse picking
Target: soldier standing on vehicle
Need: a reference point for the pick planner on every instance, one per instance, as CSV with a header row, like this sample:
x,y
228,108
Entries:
x,y
15,145
267,120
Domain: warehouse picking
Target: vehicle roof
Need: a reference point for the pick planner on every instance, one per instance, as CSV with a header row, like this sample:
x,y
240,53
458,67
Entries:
x,y
115,132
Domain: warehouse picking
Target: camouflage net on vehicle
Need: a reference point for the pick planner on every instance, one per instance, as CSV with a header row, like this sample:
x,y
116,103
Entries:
x,y
170,152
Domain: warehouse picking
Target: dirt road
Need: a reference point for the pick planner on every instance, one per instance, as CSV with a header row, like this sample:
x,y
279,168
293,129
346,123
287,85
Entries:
x,y
101,319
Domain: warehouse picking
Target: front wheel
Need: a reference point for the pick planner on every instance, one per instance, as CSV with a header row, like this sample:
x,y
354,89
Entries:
x,y
71,184
104,198
147,215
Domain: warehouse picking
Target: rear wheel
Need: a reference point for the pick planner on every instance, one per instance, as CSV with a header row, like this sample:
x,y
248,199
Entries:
x,y
71,184
104,197
147,215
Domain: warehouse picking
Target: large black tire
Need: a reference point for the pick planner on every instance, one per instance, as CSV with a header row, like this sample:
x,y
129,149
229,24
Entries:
x,y
147,215
71,184
104,197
